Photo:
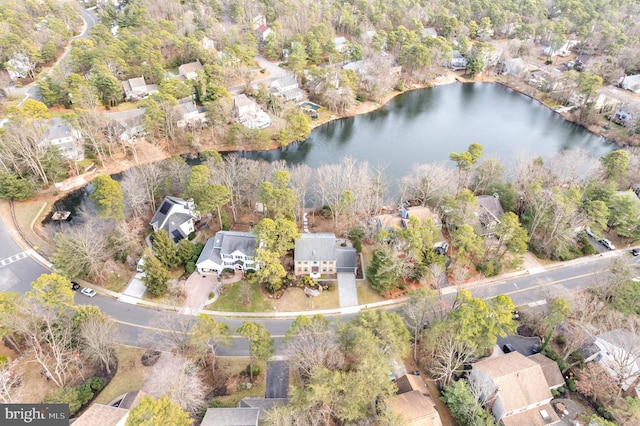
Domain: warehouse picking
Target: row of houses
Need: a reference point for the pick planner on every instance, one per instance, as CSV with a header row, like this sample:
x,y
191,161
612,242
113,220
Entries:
x,y
314,254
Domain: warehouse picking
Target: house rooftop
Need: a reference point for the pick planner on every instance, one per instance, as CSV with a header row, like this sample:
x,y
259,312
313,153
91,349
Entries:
x,y
409,382
190,67
103,415
242,100
317,246
416,407
137,82
621,338
539,416
231,417
519,380
550,369
58,129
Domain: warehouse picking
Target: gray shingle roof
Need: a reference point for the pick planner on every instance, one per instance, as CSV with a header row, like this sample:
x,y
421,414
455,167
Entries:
x,y
168,219
346,257
319,246
231,417
227,242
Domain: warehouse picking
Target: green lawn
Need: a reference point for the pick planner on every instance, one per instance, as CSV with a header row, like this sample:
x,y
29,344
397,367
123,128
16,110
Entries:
x,y
242,297
131,373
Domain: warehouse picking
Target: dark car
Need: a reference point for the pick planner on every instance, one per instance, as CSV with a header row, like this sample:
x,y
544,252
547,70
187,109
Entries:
x,y
507,348
635,252
535,349
75,286
516,315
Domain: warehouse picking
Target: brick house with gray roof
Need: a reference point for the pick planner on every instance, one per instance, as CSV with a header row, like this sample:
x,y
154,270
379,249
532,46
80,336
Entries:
x,y
321,254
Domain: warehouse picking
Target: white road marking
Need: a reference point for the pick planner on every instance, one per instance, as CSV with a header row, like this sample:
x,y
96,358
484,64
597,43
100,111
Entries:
x,y
11,259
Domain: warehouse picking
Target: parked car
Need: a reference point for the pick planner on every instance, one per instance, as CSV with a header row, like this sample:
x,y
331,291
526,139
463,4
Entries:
x,y
590,233
516,315
608,244
508,348
89,292
75,286
635,252
535,349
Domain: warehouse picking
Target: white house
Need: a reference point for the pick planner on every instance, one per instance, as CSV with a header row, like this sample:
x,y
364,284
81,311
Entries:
x,y
287,88
189,113
263,32
620,356
458,62
228,250
630,82
19,66
249,114
176,216
126,125
515,389
340,43
64,137
190,70
515,67
136,88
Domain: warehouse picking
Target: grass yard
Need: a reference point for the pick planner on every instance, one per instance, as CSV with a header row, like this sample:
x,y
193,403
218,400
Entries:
x,y
242,297
294,300
131,373
119,279
232,366
28,212
366,294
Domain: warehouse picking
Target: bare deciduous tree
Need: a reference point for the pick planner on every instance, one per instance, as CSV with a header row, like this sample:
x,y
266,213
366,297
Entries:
x,y
10,383
180,380
99,334
428,182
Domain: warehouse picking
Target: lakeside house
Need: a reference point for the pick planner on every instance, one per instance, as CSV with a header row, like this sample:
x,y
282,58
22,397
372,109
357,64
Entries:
x,y
489,213
321,254
458,62
249,114
65,138
287,88
189,114
630,82
514,388
126,126
176,216
228,250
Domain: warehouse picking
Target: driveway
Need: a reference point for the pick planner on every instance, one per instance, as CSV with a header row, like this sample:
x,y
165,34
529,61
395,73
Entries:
x,y
347,289
277,379
521,344
136,287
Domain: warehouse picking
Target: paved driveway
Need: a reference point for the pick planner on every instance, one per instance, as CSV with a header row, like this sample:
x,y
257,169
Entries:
x,y
347,289
277,379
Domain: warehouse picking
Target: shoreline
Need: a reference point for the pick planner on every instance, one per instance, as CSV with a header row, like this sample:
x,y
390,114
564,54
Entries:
x,y
119,165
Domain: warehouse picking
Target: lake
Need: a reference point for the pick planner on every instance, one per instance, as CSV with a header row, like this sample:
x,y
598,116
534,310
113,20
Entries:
x,y
422,126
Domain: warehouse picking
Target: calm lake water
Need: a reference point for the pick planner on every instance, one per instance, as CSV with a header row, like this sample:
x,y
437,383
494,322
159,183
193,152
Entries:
x,y
427,125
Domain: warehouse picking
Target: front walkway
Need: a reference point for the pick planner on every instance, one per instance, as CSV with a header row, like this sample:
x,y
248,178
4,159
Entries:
x,y
347,290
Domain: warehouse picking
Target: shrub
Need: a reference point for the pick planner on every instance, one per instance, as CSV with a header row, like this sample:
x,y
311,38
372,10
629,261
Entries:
x,y
256,370
190,267
3,360
216,403
96,383
150,357
571,384
400,86
226,220
191,236
360,97
64,396
490,268
561,339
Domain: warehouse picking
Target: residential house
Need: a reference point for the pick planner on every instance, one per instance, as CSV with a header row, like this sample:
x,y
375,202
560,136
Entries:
x,y
287,87
630,82
249,113
320,254
189,113
113,414
176,216
228,250
257,21
126,126
137,88
250,412
64,137
550,369
489,213
190,70
262,32
429,32
458,62
562,50
515,389
626,115
340,43
514,67
413,402
620,356
208,43
19,66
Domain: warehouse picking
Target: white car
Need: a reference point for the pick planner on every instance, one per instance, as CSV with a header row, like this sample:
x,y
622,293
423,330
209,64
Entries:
x,y
608,244
89,292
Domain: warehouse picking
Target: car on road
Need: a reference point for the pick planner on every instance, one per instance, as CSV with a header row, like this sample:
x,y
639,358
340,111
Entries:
x,y
89,292
590,233
608,244
635,252
75,286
